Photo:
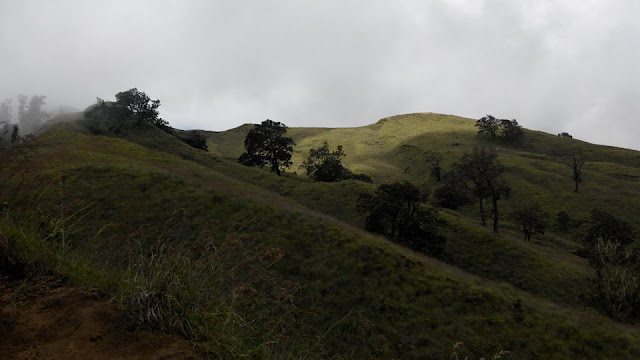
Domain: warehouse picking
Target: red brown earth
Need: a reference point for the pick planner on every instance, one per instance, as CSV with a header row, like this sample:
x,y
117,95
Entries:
x,y
45,318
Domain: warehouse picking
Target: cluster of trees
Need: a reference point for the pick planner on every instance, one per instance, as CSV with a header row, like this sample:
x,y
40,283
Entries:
x,y
476,177
395,210
133,108
29,117
326,166
508,129
266,145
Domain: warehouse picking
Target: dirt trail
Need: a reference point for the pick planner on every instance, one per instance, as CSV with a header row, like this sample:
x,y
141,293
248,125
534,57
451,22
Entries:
x,y
44,318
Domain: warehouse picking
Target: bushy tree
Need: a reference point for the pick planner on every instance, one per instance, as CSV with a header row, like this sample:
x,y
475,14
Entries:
x,y
326,166
140,106
532,219
453,193
488,125
266,144
616,288
394,210
565,135
107,118
481,172
607,227
510,129
131,108
195,140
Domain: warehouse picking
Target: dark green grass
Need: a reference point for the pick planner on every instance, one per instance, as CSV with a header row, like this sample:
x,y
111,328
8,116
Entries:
x,y
361,296
549,269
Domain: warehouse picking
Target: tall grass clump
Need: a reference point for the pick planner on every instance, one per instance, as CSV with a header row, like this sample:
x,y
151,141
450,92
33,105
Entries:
x,y
221,294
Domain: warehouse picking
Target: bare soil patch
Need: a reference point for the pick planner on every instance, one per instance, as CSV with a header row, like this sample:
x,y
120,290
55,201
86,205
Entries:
x,y
43,317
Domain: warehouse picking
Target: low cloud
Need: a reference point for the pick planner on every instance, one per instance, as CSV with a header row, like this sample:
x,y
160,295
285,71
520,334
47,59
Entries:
x,y
553,65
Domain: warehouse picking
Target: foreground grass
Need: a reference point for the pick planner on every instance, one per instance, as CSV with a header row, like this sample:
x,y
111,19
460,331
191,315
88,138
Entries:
x,y
147,215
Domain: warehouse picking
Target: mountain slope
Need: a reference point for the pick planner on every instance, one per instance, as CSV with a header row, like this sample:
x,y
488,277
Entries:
x,y
394,148
356,295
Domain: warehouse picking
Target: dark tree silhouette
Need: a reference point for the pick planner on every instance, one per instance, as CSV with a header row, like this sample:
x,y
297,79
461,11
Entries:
x,y
195,140
453,193
141,106
488,125
266,145
575,161
510,129
531,218
481,172
107,118
565,135
607,227
131,108
434,158
14,134
324,165
394,210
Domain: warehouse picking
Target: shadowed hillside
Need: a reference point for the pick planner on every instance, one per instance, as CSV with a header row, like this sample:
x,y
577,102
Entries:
x,y
128,215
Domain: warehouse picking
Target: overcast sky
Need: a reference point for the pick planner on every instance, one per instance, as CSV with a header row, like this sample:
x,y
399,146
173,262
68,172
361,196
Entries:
x,y
552,65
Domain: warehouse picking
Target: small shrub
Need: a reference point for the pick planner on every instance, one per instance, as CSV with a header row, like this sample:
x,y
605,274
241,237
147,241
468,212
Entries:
x,y
195,140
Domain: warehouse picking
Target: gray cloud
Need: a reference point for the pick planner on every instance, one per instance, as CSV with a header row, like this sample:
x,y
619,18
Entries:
x,y
553,65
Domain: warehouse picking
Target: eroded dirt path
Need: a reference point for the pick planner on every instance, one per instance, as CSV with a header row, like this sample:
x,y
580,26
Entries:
x,y
45,318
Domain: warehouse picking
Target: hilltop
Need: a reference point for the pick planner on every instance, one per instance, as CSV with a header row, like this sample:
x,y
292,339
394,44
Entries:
x,y
143,215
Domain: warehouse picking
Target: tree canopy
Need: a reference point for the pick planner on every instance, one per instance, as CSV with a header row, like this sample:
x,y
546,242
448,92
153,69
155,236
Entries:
x,y
324,165
394,210
532,218
488,125
509,129
607,227
131,108
480,171
195,140
266,144
140,106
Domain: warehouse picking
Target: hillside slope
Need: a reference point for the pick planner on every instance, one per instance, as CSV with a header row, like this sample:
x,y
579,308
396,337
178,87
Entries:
x,y
354,294
394,149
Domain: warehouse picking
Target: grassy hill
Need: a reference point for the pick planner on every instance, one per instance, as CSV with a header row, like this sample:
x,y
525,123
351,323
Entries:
x,y
394,148
246,263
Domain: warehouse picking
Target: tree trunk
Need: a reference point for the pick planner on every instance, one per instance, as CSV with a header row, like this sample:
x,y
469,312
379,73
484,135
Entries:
x,y
483,217
274,166
494,198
